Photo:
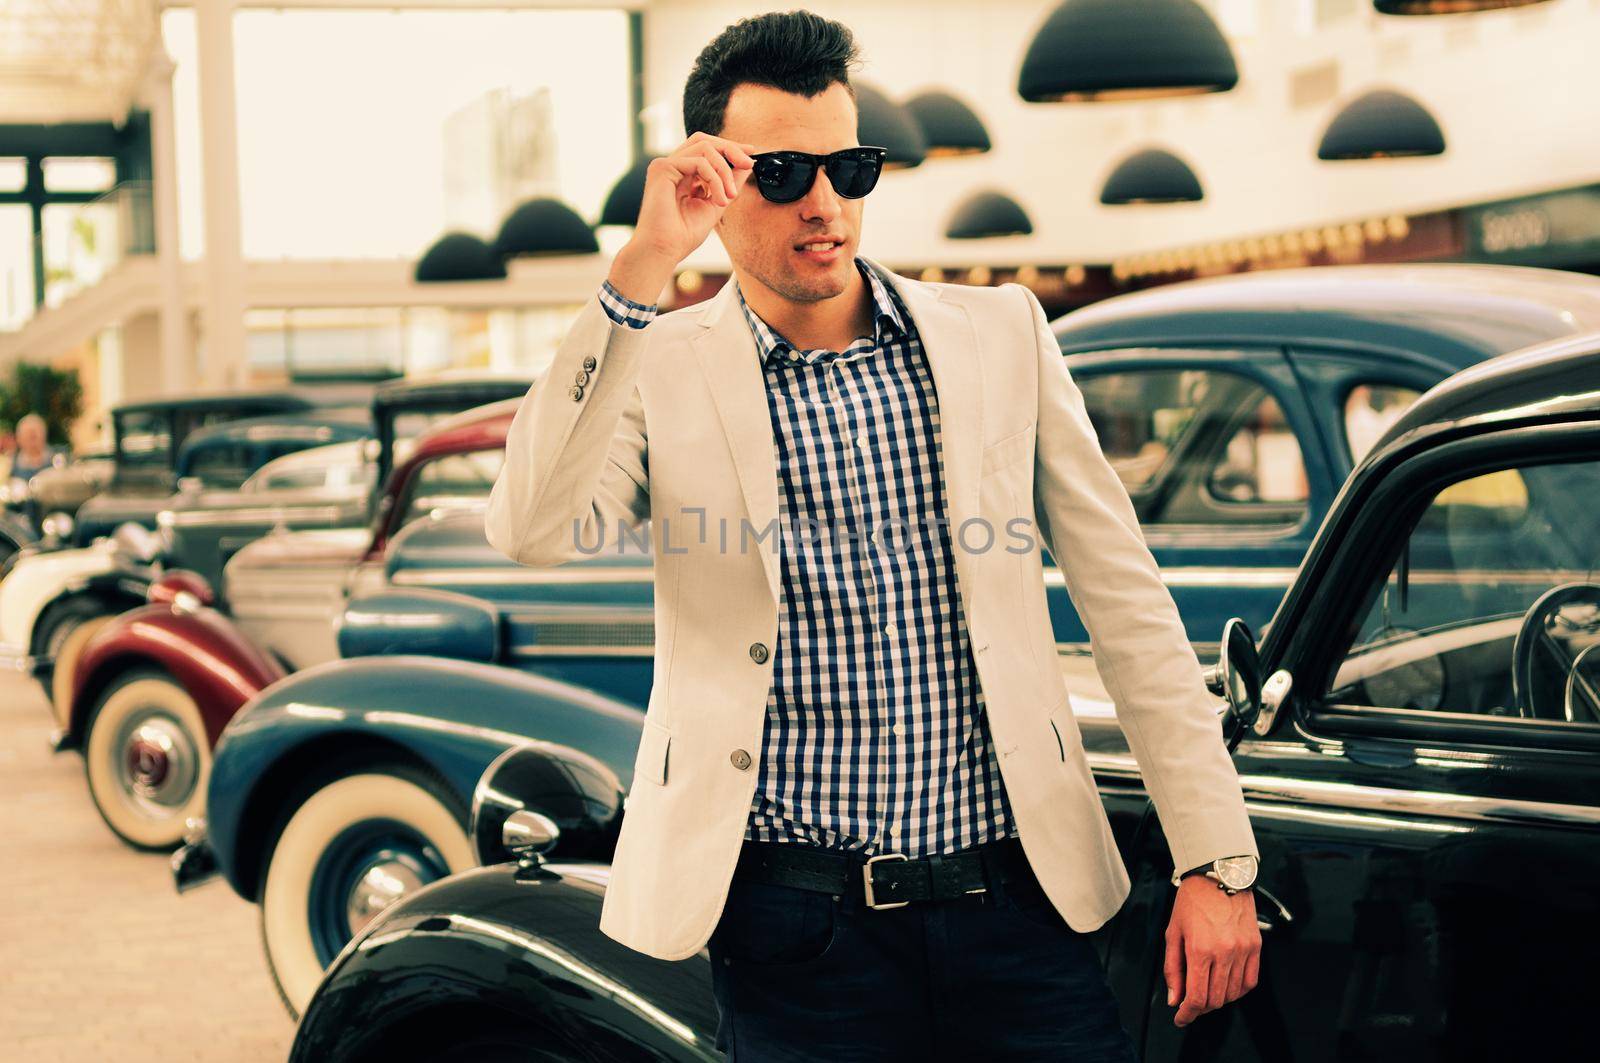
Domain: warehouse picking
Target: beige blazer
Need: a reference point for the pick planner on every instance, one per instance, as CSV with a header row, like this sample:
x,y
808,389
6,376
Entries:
x,y
671,425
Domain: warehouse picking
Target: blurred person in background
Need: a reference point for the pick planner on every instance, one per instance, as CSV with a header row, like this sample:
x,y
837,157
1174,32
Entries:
x,y
33,453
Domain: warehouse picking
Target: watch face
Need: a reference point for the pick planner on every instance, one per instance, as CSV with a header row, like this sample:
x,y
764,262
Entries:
x,y
1236,872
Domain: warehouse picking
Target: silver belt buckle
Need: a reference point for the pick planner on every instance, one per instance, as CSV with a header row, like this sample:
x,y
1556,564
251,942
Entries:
x,y
866,875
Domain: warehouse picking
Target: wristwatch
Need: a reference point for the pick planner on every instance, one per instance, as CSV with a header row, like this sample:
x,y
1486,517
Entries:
x,y
1231,873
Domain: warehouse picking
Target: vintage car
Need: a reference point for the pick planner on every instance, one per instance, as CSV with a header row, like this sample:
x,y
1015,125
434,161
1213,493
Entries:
x,y
149,437
1421,765
150,689
54,601
586,630
51,597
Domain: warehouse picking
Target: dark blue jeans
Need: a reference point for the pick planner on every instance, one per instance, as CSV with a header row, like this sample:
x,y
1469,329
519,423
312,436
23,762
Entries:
x,y
802,975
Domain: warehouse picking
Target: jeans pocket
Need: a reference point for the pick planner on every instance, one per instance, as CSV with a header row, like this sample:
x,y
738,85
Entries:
x,y
768,925
1027,900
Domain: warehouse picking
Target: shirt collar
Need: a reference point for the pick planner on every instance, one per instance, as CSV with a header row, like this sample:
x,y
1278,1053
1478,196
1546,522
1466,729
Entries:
x,y
886,320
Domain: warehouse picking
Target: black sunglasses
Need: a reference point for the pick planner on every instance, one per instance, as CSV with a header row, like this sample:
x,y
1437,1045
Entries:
x,y
785,176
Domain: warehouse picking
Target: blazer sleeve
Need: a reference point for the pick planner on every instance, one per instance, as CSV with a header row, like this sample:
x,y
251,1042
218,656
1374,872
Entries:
x,y
575,469
1141,650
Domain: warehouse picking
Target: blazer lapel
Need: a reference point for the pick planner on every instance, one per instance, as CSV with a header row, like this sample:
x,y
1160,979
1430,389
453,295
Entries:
x,y
950,343
732,367
727,355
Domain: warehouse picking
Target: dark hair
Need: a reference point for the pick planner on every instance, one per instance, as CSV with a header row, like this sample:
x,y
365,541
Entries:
x,y
795,51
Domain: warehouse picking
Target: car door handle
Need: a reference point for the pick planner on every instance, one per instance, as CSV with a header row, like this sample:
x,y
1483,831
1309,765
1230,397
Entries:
x,y
1270,912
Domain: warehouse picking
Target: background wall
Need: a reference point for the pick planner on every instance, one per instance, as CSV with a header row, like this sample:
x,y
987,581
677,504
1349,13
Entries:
x,y
1516,92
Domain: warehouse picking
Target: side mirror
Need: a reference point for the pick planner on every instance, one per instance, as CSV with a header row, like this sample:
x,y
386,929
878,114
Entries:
x,y
541,797
1239,675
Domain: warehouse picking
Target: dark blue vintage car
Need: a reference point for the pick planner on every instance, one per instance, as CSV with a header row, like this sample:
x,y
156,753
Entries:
x,y
1233,408
1421,766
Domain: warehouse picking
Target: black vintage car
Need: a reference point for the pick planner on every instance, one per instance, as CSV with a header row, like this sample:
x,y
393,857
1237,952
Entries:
x,y
1421,764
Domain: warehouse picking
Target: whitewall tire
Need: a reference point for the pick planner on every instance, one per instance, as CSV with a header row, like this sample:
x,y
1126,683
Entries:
x,y
69,647
148,759
354,847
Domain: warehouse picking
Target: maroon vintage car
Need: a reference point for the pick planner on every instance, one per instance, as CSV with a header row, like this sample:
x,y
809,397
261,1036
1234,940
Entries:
x,y
153,688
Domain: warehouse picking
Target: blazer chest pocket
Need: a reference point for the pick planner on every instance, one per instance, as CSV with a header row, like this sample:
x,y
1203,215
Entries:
x,y
1008,451
651,761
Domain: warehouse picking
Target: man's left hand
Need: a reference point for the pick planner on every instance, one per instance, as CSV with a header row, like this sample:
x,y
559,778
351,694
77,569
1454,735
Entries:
x,y
1213,948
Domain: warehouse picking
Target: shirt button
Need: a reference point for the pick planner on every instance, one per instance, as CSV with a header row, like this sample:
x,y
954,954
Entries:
x,y
589,363
576,391
758,652
889,628
899,729
894,831
739,759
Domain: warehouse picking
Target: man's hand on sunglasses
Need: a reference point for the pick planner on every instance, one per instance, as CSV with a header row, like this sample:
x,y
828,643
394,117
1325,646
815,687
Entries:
x,y
684,195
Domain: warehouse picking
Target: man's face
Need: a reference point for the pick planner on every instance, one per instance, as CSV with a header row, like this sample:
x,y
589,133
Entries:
x,y
30,435
764,239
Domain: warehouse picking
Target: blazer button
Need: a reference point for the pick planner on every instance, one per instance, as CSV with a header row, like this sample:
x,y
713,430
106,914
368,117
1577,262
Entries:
x,y
740,759
582,378
576,391
589,363
758,652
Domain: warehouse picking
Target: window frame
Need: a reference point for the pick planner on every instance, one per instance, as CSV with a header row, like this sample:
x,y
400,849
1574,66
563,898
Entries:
x,y
1264,367
1312,644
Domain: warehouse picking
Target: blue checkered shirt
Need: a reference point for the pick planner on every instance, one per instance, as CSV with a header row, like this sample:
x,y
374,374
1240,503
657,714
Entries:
x,y
876,737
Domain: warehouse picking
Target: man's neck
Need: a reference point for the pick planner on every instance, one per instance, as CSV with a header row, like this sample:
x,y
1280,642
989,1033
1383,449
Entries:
x,y
828,324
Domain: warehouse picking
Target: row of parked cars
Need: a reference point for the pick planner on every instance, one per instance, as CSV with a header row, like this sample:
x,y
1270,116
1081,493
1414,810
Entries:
x,y
413,754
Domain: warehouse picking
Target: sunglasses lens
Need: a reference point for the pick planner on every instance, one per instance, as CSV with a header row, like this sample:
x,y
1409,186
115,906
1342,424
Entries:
x,y
783,180
853,176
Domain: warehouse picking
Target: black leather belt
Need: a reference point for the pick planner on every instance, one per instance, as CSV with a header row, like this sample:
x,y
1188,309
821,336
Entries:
x,y
887,880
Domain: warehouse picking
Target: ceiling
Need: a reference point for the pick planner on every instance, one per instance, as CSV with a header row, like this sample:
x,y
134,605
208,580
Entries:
x,y
73,60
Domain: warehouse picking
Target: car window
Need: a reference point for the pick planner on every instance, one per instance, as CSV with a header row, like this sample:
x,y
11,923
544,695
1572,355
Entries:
x,y
220,466
1198,446
1369,410
1492,607
452,481
144,439
1261,462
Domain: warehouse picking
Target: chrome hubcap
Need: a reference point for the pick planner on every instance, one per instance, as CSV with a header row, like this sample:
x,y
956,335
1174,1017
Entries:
x,y
160,764
379,886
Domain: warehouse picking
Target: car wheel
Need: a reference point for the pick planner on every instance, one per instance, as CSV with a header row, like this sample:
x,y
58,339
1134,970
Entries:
x,y
148,759
64,645
354,847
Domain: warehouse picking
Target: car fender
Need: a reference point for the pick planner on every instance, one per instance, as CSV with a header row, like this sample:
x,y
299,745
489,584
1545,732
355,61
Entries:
x,y
37,580
507,948
451,717
210,658
17,529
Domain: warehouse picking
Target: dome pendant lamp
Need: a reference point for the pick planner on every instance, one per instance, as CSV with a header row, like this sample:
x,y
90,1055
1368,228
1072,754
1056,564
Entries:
x,y
948,125
626,196
1151,176
986,214
1126,50
1446,7
1380,125
545,226
459,256
882,122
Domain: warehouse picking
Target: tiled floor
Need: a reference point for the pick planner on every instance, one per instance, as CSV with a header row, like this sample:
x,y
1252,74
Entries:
x,y
100,959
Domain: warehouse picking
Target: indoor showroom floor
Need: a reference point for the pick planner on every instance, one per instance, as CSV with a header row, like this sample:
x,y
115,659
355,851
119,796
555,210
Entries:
x,y
100,958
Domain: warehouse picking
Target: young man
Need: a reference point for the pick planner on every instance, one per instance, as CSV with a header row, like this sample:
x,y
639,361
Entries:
x,y
860,782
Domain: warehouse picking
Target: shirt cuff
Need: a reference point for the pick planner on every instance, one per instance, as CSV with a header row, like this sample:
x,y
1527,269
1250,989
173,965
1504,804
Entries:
x,y
625,311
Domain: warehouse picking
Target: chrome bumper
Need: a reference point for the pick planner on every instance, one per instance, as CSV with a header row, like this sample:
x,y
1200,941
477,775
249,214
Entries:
x,y
194,862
